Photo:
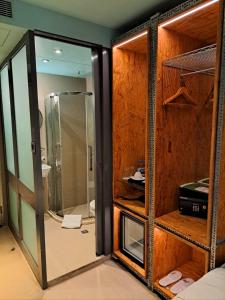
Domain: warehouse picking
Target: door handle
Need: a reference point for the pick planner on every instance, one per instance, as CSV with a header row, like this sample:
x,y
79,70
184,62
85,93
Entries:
x,y
33,147
90,158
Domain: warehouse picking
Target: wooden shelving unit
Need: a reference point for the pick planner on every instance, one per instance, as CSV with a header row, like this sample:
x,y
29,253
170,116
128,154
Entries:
x,y
190,228
182,142
130,136
134,206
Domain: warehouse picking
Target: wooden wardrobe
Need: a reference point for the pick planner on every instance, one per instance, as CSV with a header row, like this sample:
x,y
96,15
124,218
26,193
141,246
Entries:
x,y
130,135
173,120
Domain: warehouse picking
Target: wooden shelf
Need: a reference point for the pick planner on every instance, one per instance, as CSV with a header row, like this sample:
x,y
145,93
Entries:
x,y
130,263
191,228
135,206
189,269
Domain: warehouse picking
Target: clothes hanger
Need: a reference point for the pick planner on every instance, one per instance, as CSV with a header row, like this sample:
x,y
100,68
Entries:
x,y
181,92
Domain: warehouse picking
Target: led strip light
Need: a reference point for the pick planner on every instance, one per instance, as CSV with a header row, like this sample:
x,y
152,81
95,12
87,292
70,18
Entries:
x,y
131,39
200,7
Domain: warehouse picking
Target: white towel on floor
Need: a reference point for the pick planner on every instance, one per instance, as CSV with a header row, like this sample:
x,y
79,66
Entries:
x,y
71,221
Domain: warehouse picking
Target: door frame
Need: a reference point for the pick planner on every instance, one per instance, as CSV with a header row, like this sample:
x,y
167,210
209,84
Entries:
x,y
103,133
34,199
103,127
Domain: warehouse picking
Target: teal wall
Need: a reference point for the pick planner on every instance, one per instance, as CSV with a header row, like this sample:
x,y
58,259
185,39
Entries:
x,y
33,17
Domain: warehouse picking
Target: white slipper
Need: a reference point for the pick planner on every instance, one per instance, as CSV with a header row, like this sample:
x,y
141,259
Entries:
x,y
170,278
181,285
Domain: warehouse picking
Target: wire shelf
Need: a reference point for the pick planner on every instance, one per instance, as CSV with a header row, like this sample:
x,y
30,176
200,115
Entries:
x,y
202,60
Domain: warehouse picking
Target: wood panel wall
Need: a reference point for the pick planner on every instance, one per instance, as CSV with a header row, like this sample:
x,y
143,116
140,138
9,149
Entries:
x,y
130,95
183,132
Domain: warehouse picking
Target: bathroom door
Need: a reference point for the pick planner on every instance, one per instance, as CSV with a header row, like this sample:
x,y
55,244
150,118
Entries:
x,y
22,153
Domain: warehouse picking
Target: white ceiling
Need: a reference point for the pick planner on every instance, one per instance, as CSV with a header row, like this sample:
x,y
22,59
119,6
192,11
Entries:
x,y
74,61
9,37
109,13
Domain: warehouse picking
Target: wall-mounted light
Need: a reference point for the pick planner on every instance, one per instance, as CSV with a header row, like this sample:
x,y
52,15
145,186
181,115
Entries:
x,y
131,39
188,13
58,51
45,60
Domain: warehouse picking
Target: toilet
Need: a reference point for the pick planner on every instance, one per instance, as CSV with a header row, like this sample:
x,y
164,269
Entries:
x,y
92,208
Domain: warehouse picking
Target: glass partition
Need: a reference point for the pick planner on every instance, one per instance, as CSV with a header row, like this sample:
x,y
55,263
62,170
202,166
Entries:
x,y
71,153
29,228
22,115
13,208
7,119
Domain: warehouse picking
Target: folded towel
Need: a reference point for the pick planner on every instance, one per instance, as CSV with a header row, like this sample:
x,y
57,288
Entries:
x,y
71,221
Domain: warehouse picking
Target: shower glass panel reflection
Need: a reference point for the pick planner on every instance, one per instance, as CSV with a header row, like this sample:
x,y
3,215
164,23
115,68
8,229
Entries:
x,y
71,153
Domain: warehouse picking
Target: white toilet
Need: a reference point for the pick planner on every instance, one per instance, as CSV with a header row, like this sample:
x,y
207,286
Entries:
x,y
92,208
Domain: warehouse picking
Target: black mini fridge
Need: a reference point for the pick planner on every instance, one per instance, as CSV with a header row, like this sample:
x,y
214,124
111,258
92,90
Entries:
x,y
132,238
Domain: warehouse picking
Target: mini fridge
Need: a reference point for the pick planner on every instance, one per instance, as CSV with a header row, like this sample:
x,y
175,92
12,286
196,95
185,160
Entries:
x,y
132,238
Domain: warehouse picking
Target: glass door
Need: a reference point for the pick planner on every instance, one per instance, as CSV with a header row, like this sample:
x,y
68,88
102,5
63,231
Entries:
x,y
22,153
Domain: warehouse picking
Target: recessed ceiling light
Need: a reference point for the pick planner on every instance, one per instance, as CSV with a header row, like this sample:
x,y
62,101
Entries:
x,y
58,51
45,60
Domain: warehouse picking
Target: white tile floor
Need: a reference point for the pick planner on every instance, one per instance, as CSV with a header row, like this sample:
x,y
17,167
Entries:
x,y
68,249
105,282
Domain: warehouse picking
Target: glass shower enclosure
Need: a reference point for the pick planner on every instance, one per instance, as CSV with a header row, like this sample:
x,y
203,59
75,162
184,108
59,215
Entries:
x,y
70,137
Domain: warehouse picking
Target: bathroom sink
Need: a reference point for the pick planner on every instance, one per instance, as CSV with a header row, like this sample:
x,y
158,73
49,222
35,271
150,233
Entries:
x,y
45,170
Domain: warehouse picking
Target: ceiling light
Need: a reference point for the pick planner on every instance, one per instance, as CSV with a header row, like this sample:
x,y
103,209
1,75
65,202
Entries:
x,y
131,39
188,13
45,60
58,51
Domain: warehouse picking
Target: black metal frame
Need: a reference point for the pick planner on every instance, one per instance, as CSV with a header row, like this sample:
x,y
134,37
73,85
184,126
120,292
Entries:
x,y
102,85
102,69
3,166
39,268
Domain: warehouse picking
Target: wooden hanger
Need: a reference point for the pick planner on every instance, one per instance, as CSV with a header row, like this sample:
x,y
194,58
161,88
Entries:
x,y
181,92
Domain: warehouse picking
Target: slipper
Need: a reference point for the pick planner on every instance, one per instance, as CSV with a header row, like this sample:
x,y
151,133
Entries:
x,y
170,278
181,285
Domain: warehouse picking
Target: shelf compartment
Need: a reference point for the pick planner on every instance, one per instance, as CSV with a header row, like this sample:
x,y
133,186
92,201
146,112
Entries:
x,y
134,206
202,60
117,251
189,269
173,253
190,228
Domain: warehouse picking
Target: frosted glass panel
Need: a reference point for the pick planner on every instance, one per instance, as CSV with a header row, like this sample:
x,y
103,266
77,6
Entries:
x,y
13,208
29,228
22,112
7,120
